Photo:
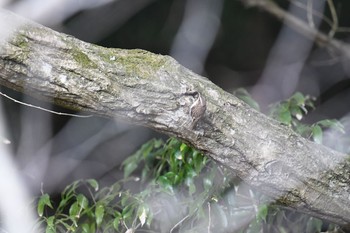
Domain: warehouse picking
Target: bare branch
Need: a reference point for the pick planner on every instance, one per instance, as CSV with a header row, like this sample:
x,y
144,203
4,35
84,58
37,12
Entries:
x,y
334,18
43,109
336,46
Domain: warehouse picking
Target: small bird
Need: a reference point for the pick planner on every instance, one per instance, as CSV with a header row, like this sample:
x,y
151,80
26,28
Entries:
x,y
197,110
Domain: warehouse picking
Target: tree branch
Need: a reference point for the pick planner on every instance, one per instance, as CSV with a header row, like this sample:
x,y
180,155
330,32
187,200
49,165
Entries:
x,y
155,91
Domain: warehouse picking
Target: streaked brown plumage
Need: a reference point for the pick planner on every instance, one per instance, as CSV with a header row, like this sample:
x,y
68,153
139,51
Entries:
x,y
197,109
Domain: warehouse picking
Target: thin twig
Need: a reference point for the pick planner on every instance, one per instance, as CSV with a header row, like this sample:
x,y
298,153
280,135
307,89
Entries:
x,y
310,13
314,12
44,109
328,21
177,224
343,29
301,26
209,217
334,18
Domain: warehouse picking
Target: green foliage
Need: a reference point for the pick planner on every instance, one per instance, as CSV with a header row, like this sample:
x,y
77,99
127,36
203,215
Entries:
x,y
292,111
43,201
244,95
105,211
203,192
164,168
168,165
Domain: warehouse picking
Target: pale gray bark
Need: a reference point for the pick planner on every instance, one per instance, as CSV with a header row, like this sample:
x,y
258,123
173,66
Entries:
x,y
155,91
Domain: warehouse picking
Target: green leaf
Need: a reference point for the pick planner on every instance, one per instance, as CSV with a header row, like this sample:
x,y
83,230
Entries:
x,y
327,123
243,94
250,101
303,130
132,158
74,210
50,228
86,228
128,211
298,98
171,176
158,143
116,222
262,212
177,179
43,201
142,215
125,199
145,174
147,148
173,142
130,168
68,194
93,183
285,117
331,123
240,92
184,148
69,191
63,203
82,201
99,214
165,183
190,172
317,134
115,188
283,107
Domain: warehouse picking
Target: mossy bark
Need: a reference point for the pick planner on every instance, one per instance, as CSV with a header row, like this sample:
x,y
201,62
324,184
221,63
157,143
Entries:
x,y
155,91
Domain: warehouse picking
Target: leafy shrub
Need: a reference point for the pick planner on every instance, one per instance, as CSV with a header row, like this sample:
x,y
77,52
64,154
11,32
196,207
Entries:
x,y
292,111
206,195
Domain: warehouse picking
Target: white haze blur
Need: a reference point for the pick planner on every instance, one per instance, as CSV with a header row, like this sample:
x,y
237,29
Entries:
x,y
197,32
16,213
53,11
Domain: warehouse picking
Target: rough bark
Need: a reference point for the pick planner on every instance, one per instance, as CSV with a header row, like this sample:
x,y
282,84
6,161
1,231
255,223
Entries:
x,y
155,91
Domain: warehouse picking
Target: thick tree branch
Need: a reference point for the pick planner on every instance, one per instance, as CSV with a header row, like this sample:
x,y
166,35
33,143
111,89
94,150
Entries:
x,y
157,92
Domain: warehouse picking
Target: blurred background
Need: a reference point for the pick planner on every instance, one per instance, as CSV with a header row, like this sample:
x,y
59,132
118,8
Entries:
x,y
223,40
